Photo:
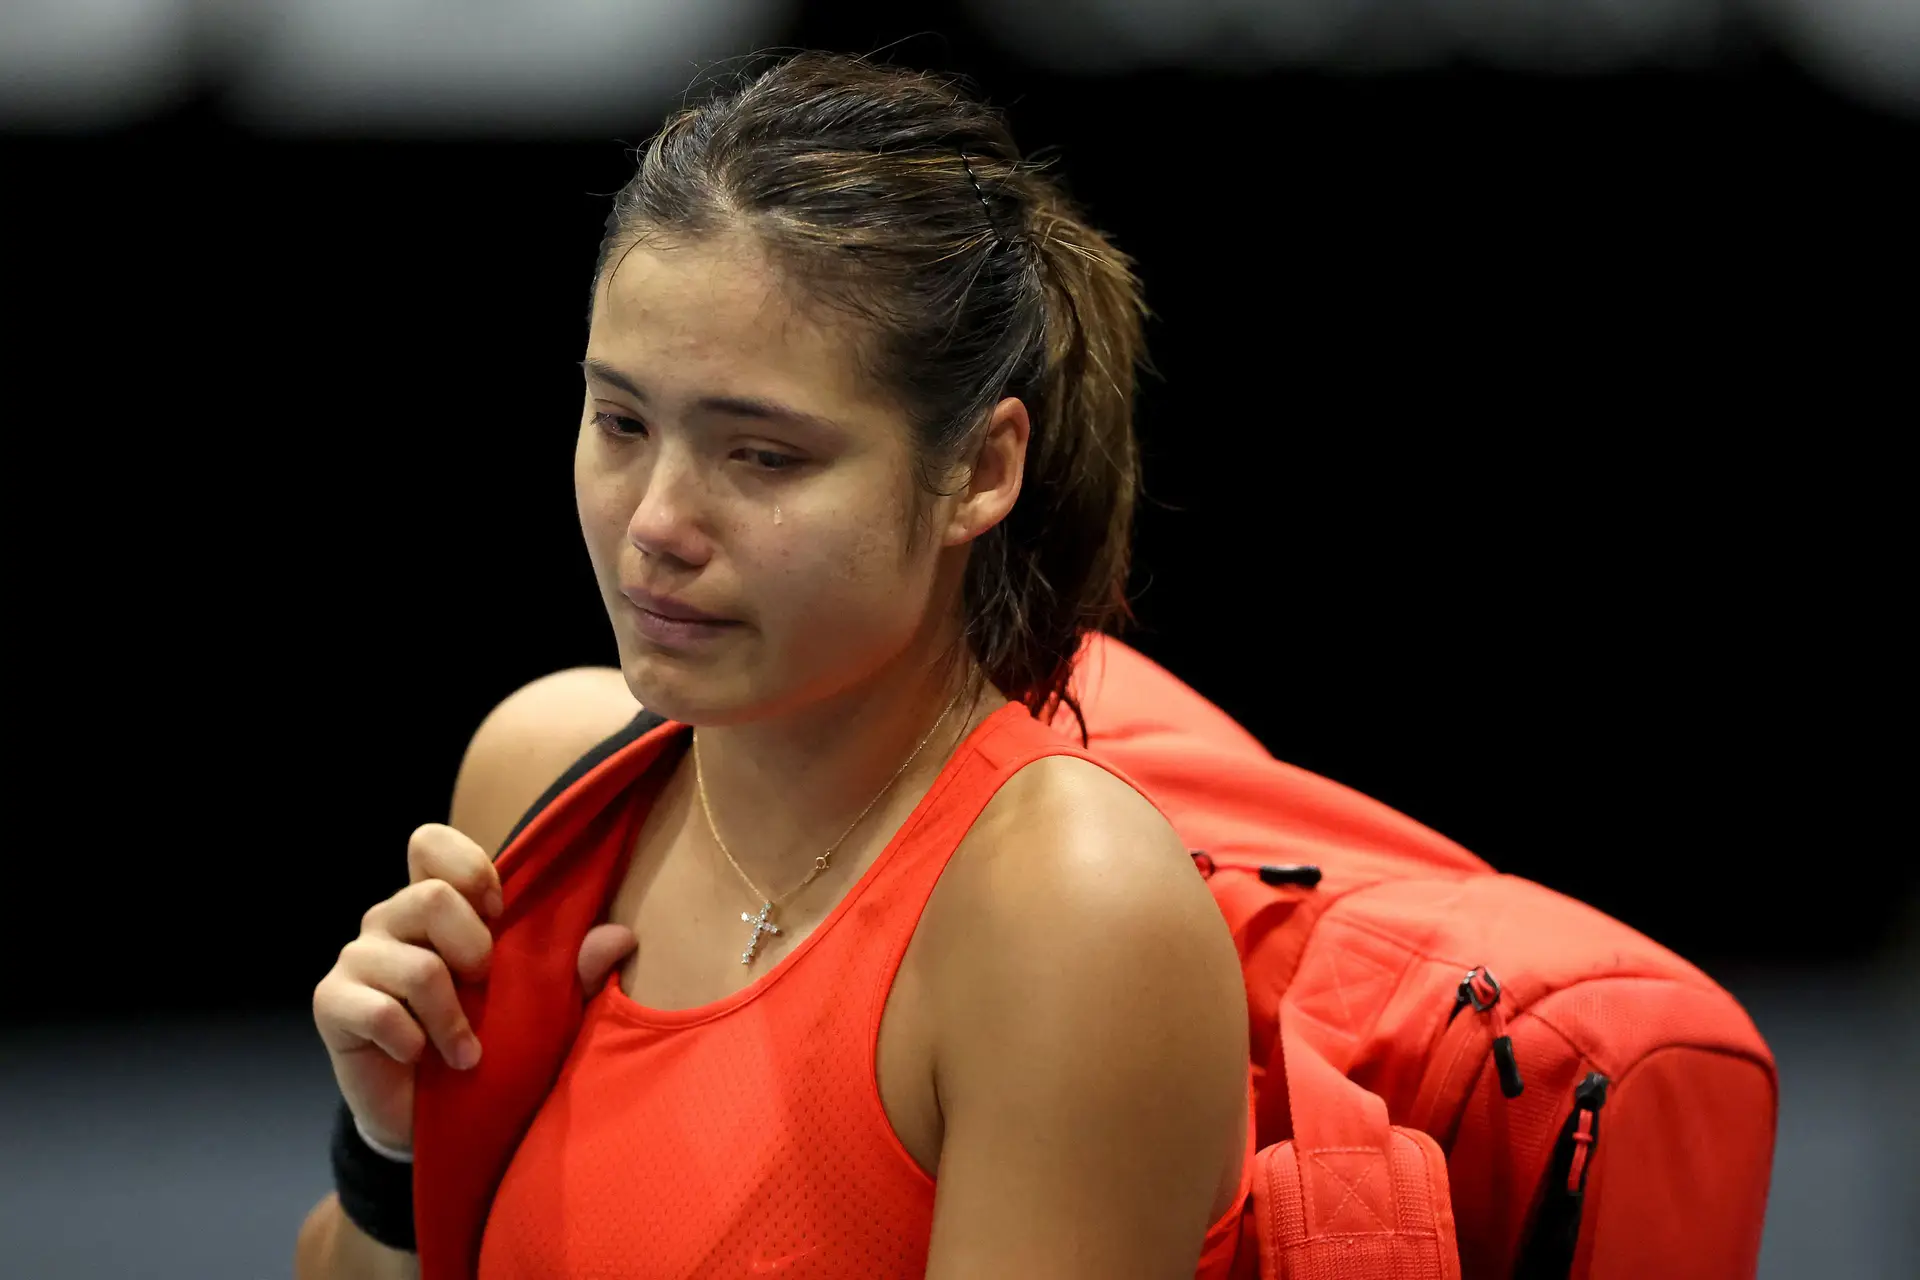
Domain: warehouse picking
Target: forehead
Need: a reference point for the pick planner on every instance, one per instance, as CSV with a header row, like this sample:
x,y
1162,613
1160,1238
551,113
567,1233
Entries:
x,y
712,316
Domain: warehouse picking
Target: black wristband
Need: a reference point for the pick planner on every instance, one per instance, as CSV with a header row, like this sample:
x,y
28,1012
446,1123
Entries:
x,y
376,1193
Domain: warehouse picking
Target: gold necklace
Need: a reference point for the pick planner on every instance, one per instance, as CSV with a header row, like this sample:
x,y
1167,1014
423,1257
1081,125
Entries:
x,y
763,923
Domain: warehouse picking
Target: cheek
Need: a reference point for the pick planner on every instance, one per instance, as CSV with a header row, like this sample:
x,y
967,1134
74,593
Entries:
x,y
836,565
600,501
874,561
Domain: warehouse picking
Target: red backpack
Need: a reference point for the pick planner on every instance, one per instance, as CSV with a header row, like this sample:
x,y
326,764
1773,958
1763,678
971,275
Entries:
x,y
1459,1073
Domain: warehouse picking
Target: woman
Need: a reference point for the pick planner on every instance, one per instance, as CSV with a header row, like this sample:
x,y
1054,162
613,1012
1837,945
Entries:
x,y
855,472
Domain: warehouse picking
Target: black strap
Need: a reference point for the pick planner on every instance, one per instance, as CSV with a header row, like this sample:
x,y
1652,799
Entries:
x,y
642,723
376,1193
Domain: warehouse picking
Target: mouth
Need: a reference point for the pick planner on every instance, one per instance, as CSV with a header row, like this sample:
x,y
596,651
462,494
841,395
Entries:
x,y
673,625
671,609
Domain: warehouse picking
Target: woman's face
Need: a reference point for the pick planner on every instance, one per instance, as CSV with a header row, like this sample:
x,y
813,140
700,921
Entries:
x,y
745,493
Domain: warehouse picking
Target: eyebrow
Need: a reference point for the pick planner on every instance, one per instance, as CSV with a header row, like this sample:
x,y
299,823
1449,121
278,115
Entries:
x,y
733,406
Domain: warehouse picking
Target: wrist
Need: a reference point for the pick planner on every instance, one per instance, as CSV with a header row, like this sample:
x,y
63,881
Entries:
x,y
399,1154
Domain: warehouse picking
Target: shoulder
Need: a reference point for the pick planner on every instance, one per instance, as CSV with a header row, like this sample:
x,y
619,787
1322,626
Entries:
x,y
1074,901
1067,830
528,740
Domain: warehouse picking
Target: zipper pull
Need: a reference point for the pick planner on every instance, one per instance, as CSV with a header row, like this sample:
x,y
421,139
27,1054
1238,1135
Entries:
x,y
1547,1251
1588,1098
1303,873
1482,990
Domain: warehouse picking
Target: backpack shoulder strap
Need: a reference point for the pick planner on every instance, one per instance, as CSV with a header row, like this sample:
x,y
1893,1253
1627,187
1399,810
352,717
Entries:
x,y
1348,1195
643,722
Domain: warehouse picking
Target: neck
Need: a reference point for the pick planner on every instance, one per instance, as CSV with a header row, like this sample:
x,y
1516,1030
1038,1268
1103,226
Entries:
x,y
785,788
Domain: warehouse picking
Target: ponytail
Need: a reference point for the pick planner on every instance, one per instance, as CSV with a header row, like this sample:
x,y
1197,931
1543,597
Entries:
x,y
1057,566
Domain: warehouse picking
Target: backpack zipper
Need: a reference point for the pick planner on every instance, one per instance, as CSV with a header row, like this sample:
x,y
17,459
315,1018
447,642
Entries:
x,y
1584,1130
1304,874
1549,1248
1481,990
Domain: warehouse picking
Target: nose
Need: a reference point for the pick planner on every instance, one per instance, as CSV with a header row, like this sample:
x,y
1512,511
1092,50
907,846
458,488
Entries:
x,y
669,518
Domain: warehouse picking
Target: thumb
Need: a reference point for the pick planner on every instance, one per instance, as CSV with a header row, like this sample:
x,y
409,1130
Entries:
x,y
605,946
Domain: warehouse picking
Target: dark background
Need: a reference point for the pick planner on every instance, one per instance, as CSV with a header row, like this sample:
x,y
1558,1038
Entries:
x,y
1523,450
1517,451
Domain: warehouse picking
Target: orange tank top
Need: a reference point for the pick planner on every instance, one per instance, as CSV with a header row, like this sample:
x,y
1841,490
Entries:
x,y
747,1137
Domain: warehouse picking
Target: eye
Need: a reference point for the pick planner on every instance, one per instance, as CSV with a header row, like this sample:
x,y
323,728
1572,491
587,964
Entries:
x,y
769,459
618,425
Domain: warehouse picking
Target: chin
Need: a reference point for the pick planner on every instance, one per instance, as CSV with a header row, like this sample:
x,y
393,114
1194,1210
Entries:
x,y
689,695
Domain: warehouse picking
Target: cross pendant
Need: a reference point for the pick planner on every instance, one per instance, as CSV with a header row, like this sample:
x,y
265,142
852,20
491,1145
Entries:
x,y
760,925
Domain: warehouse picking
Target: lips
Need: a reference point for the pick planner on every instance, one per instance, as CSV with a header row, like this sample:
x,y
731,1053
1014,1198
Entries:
x,y
667,607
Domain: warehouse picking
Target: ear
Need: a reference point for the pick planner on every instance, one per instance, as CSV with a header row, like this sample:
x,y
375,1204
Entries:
x,y
993,480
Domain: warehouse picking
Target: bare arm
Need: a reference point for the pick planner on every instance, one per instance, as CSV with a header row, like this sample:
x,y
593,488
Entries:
x,y
332,1248
522,746
1091,1064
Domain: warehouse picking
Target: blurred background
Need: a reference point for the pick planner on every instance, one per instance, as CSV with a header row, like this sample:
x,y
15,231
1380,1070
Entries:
x,y
1522,450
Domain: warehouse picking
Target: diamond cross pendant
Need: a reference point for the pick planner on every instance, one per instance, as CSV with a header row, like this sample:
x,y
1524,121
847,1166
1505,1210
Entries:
x,y
760,925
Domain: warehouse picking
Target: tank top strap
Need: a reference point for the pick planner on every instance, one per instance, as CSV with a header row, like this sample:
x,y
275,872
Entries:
x,y
888,914
1008,741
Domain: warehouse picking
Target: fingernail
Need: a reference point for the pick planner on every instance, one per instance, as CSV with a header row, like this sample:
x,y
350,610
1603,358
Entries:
x,y
495,904
466,1053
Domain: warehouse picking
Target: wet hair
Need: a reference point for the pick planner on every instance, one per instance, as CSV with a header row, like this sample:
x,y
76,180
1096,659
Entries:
x,y
900,199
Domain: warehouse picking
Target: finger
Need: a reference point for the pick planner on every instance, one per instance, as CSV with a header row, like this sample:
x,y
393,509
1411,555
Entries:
x,y
352,1015
438,852
433,913
604,947
420,978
